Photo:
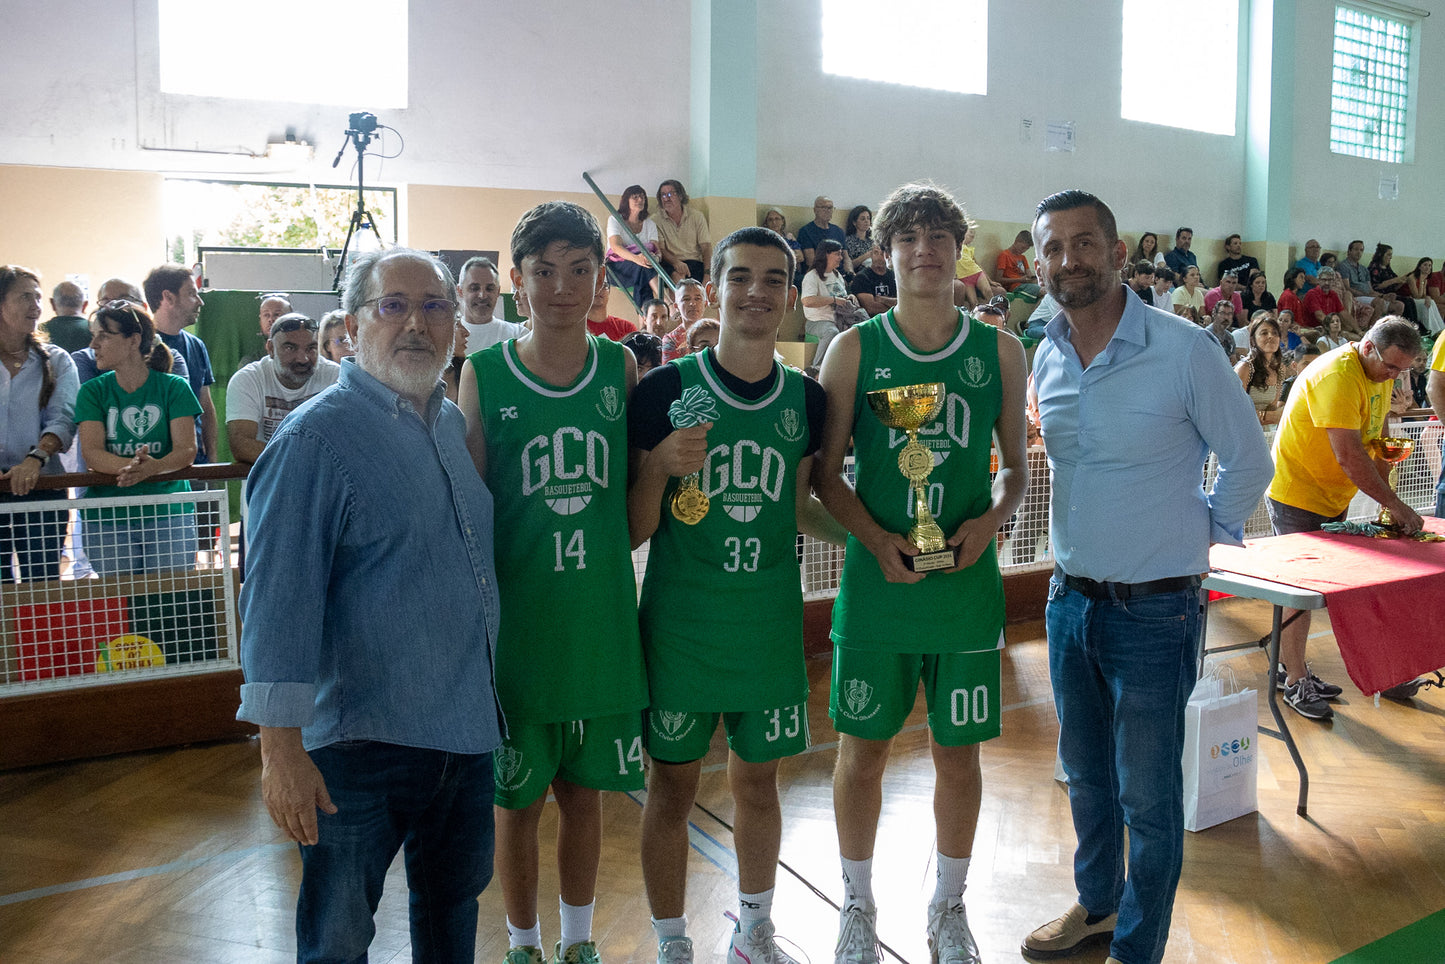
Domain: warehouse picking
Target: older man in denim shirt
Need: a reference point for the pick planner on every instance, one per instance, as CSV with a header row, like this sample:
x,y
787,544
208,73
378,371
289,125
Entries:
x,y
1131,401
370,610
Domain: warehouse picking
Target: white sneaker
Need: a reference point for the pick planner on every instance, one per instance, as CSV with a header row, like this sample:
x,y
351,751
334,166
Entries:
x,y
949,939
674,950
757,946
857,936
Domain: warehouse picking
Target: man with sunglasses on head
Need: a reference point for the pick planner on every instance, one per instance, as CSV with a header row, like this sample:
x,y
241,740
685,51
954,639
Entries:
x,y
370,615
264,392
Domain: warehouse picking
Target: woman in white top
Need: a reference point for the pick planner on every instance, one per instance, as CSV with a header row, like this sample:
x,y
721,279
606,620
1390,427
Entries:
x,y
1188,298
1417,286
823,292
1148,249
1334,336
628,263
1262,372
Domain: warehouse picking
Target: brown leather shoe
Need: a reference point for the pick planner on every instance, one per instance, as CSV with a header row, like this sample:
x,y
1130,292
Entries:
x,y
1066,935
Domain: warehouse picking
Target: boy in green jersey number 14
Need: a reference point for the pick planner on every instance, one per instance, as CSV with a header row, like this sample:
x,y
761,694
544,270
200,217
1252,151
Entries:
x,y
547,428
722,604
893,627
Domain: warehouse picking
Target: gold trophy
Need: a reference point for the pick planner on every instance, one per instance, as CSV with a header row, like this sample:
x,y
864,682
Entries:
x,y
1393,450
909,408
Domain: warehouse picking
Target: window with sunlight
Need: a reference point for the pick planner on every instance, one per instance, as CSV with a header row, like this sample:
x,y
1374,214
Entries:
x,y
938,44
1167,40
348,53
1371,85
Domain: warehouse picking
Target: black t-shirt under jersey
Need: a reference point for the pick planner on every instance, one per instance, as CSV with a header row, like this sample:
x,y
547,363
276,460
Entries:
x,y
648,422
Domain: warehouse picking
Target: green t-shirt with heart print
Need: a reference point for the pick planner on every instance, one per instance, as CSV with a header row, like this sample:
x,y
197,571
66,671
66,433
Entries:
x,y
132,421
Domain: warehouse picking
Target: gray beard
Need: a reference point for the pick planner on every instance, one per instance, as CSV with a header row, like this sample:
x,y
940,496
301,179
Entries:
x,y
284,375
409,382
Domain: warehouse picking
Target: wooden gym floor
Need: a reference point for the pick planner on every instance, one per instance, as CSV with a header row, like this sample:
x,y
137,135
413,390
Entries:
x,y
169,856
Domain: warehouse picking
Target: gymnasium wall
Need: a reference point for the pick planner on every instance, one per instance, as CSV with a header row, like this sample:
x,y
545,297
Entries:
x,y
1063,66
511,105
1336,197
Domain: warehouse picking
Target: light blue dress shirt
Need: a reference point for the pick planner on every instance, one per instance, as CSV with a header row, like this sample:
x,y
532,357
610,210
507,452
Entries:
x,y
1127,439
370,605
25,421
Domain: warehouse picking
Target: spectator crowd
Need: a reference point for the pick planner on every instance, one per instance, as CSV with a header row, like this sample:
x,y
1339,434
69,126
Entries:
x,y
541,452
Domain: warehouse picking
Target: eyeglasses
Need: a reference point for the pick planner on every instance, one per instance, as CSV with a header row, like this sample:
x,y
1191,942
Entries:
x,y
284,325
397,309
667,194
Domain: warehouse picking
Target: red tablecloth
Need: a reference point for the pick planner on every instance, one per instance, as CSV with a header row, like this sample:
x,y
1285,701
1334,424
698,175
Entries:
x,y
1386,596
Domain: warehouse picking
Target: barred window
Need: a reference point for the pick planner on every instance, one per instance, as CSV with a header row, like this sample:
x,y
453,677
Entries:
x,y
1372,85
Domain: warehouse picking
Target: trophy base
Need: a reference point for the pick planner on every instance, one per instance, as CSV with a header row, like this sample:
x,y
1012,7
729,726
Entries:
x,y
930,561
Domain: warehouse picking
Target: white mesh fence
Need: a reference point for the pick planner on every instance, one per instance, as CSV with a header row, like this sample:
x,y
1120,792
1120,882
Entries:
x,y
1414,478
1023,544
114,589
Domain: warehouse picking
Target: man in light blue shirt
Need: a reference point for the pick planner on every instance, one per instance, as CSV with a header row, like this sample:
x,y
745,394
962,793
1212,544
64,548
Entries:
x,y
370,612
1310,265
1131,401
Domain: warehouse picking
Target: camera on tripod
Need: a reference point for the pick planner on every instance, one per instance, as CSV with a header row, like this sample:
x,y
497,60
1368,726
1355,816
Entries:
x,y
358,135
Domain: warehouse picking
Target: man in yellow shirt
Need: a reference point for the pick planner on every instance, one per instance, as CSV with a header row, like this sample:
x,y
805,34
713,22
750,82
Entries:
x,y
1320,462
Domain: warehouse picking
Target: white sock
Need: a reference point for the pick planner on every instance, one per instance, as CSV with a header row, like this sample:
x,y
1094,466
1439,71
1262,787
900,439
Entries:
x,y
576,923
858,882
524,936
952,877
753,908
670,927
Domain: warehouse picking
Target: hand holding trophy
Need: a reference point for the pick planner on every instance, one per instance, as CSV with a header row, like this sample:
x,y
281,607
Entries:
x,y
1393,450
908,408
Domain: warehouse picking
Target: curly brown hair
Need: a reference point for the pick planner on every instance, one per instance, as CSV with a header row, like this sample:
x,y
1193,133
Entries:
x,y
918,205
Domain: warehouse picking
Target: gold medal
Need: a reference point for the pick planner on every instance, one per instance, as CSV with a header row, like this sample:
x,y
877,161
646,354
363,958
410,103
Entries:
x,y
689,505
915,461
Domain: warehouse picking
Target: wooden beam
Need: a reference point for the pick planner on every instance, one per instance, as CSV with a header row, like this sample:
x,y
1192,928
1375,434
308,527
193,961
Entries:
x,y
91,721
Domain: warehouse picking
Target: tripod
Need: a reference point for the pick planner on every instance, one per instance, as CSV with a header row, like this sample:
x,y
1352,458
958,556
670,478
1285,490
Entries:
x,y
361,217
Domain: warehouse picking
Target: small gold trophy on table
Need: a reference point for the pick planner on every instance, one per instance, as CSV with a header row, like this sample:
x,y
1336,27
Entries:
x,y
909,408
1393,450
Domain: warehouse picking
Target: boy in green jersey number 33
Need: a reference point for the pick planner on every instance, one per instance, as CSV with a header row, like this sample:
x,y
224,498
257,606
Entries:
x,y
722,603
893,627
547,429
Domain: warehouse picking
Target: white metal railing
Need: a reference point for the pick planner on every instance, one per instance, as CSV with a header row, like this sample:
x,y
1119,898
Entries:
x,y
1024,542
153,608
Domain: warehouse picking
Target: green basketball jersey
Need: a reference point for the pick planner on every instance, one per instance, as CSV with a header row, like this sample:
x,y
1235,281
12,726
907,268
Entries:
x,y
946,612
567,647
722,601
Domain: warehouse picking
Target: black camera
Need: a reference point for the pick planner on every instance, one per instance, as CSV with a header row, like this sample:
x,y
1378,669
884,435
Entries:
x,y
363,122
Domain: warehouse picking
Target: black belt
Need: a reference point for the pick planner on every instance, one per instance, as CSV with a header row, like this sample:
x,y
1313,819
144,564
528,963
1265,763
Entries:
x,y
1125,590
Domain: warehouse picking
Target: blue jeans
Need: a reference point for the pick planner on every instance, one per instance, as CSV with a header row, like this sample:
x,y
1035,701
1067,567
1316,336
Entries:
x,y
1440,489
438,806
159,543
33,538
1122,673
